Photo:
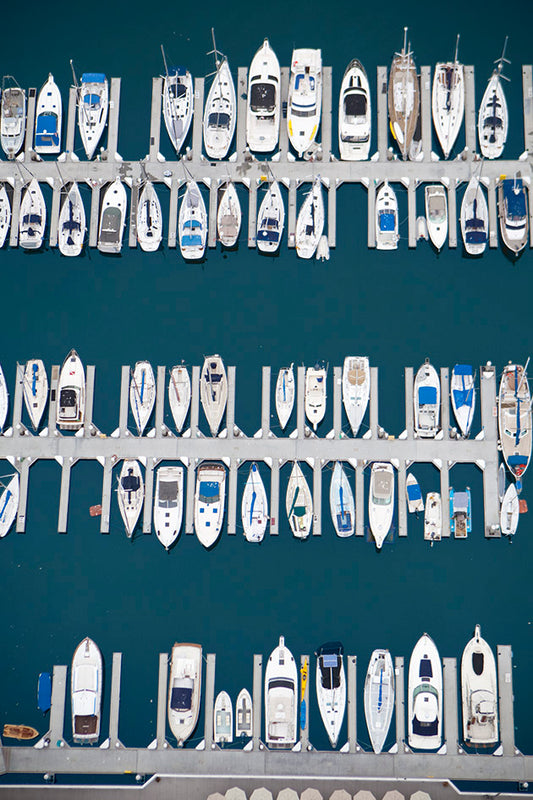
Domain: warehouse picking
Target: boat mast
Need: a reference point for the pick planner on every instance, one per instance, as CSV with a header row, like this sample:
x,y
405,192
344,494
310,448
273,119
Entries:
x,y
164,60
501,61
216,53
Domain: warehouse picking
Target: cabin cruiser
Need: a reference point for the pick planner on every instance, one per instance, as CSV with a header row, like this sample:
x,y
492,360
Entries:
x,y
229,216
514,418
86,692
331,688
12,118
355,119
71,394
285,391
425,701
315,394
355,389
93,104
479,691
474,218
184,690
72,223
386,218
310,222
281,689
404,97
192,223
178,105
299,503
493,117
142,394
463,396
209,501
270,220
214,391
379,697
35,389
436,214
113,218
32,217
179,395
254,507
448,101
513,213
220,113
130,494
381,501
263,101
149,219
426,401
341,502
168,504
304,106
48,116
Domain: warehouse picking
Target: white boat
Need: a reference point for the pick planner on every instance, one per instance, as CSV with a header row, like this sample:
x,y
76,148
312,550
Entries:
x,y
72,223
386,218
421,229
322,250
426,401
243,715
192,223
281,689
149,219
514,418
501,482
299,503
448,101
130,494
285,391
304,107
403,97
12,118
35,389
32,217
113,218
513,213
463,396
9,505
331,688
254,507
209,501
214,391
355,389
509,511
142,394
4,399
86,678
93,104
5,214
178,104
229,216
48,117
168,504
310,222
493,117
460,512
220,114
71,394
315,394
179,395
263,102
425,701
379,697
474,218
270,220
341,502
223,719
415,501
479,691
184,689
355,119
381,501
433,517
437,214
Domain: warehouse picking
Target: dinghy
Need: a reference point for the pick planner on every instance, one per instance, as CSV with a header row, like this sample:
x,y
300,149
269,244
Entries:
x,y
493,117
48,117
315,394
223,719
299,503
426,401
149,219
424,696
437,214
12,118
254,507
72,223
32,217
379,697
220,114
403,97
35,389
514,419
179,395
463,396
304,106
263,103
229,216
192,223
86,692
513,214
415,501
5,214
243,715
355,119
184,690
93,105
178,103
71,394
21,732
270,220
9,505
460,513
433,517
474,218
381,501
331,688
209,501
355,389
130,494
285,391
479,691
448,101
386,218
310,222
214,391
341,502
509,511
168,504
281,687
142,394
113,218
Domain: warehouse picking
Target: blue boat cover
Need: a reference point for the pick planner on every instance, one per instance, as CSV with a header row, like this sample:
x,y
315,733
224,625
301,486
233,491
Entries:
x,y
46,123
93,77
516,200
517,461
92,99
209,488
425,670
181,698
463,397
427,395
386,221
463,369
44,692
476,237
191,240
192,223
413,492
330,661
268,236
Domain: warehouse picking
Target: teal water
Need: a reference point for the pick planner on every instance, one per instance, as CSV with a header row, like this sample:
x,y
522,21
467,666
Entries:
x,y
397,308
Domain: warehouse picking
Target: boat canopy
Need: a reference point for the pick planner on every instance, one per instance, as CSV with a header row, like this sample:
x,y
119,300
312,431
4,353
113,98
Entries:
x,y
130,482
93,77
181,697
46,123
355,104
269,235
209,491
263,98
463,369
168,493
387,220
460,502
192,223
217,120
191,240
414,492
476,237
427,395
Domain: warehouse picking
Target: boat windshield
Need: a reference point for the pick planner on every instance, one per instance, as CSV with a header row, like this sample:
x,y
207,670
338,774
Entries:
x,y
68,398
209,492
263,98
168,494
355,105
218,121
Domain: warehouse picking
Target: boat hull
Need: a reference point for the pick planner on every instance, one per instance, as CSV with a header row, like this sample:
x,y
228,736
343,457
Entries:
x,y
281,686
71,394
386,218
179,395
355,119
254,508
285,391
426,402
403,100
437,214
463,396
263,104
448,103
214,391
381,501
310,222
341,502
379,695
48,117
72,223
299,504
315,395
509,511
355,389
142,394
209,501
433,517
304,106
244,715
229,217
514,419
220,114
149,219
35,385
184,690
479,692
32,221
168,505
93,105
425,696
113,218
9,504
178,105
130,494
331,690
223,719
493,119
192,223
474,218
86,692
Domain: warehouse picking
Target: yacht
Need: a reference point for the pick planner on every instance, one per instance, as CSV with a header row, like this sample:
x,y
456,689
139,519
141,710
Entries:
x,y
509,511
178,104
220,113
379,697
355,389
48,116
514,419
448,101
304,105
425,700
168,504
315,394
93,104
513,213
415,501
270,220
12,118
229,216
86,676
71,394
285,391
381,501
479,691
179,395
142,394
32,217
299,503
72,225
9,505
331,688
223,719
130,494
310,222
404,97
474,218
355,120
5,214
209,500
113,218
493,117
281,689
149,219
243,715
184,690
4,399
192,223
386,218
263,103
254,508
214,391
436,214
463,396
433,517
341,502
35,389
460,513
426,400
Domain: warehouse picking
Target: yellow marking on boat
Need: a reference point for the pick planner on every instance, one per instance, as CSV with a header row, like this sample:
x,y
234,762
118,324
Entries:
x,y
290,127
313,133
304,670
392,131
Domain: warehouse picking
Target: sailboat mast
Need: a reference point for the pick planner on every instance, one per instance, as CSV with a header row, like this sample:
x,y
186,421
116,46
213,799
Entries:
x,y
164,60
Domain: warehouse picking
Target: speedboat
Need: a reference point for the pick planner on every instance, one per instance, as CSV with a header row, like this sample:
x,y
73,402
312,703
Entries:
x,y
425,701
178,105
243,714
270,220
426,401
12,118
4,399
149,219
71,394
113,218
514,419
220,114
304,105
35,389
474,218
93,104
209,500
71,226
437,214
479,690
341,502
32,217
5,214
355,119
179,395
379,697
386,218
254,508
381,501
86,678
460,513
299,503
223,719
415,501
331,688
142,394
263,101
493,117
310,222
281,688
433,517
513,213
448,101
315,394
285,391
509,511
168,504
192,223
130,494
404,97
48,116
184,690
355,389
213,391
229,216
463,396
9,504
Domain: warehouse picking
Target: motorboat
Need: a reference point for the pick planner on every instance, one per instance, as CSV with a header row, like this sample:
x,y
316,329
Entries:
x,y
426,401
433,517
12,118
322,250
32,217
299,503
403,97
355,119
479,691
436,214
48,117
71,394
493,117
310,222
142,394
209,501
381,501
285,391
331,688
415,501
355,389
72,223
168,504
178,104
44,692
229,216
315,394
254,508
379,697
425,700
93,105
460,513
304,106
22,732
9,505
86,678
220,114
263,105
474,218
35,390
513,213
341,502
463,396
514,418
4,399
387,235
149,219
509,511
113,218
502,480
184,689
130,494
5,214
281,688
270,220
448,101
243,715
223,719
179,395
214,391
192,223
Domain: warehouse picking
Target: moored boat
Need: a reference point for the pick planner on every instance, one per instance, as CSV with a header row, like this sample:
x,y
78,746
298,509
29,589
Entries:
x,y
493,117
223,719
178,103
72,225
179,395
509,511
448,101
71,394
142,394
425,701
479,692
184,689
19,732
243,714
214,391
403,97
9,504
5,214
229,216
32,220
415,501
270,220
254,507
426,401
386,218
4,399
285,391
355,389
281,686
48,117
310,222
86,692
35,390
299,503
315,394
514,418
209,501
304,106
379,697
355,119
263,100
513,213
12,117
149,219
463,396
192,223
381,501
112,218
130,494
436,214
220,112
460,513
168,504
433,517
474,218
341,502
331,688
93,105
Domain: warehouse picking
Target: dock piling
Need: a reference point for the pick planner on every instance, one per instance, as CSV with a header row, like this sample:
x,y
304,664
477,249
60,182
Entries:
x,y
57,708
409,409
89,400
374,402
332,214
445,401
18,428
445,498
15,212
212,218
230,408
283,132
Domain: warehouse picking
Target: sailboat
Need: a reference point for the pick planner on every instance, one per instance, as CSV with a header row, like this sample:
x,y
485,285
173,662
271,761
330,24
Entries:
x,y
220,114
341,502
9,504
86,692
71,393
270,220
448,101
310,222
281,689
425,711
315,394
5,214
192,223
4,399
403,97
35,389
355,119
514,418
229,216
509,511
513,213
209,502
263,104
474,218
113,218
149,219
142,394
168,504
48,116
331,688
304,106
386,218
436,214
355,389
463,396
493,117
93,105
178,103
379,695
254,507
479,690
299,503
130,494
184,689
381,501
179,395
426,401
32,217
12,117
285,390
214,391
72,225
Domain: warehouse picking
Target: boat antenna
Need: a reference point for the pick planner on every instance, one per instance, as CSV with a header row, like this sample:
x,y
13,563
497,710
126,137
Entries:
x,y
164,59
501,61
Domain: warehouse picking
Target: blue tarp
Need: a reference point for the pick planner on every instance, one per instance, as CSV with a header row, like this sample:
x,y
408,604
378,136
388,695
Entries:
x,y
427,395
413,491
92,99
46,123
44,692
387,221
93,77
192,223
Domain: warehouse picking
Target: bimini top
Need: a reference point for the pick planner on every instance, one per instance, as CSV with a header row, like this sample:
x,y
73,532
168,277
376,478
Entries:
x,y
93,77
460,502
427,395
181,697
